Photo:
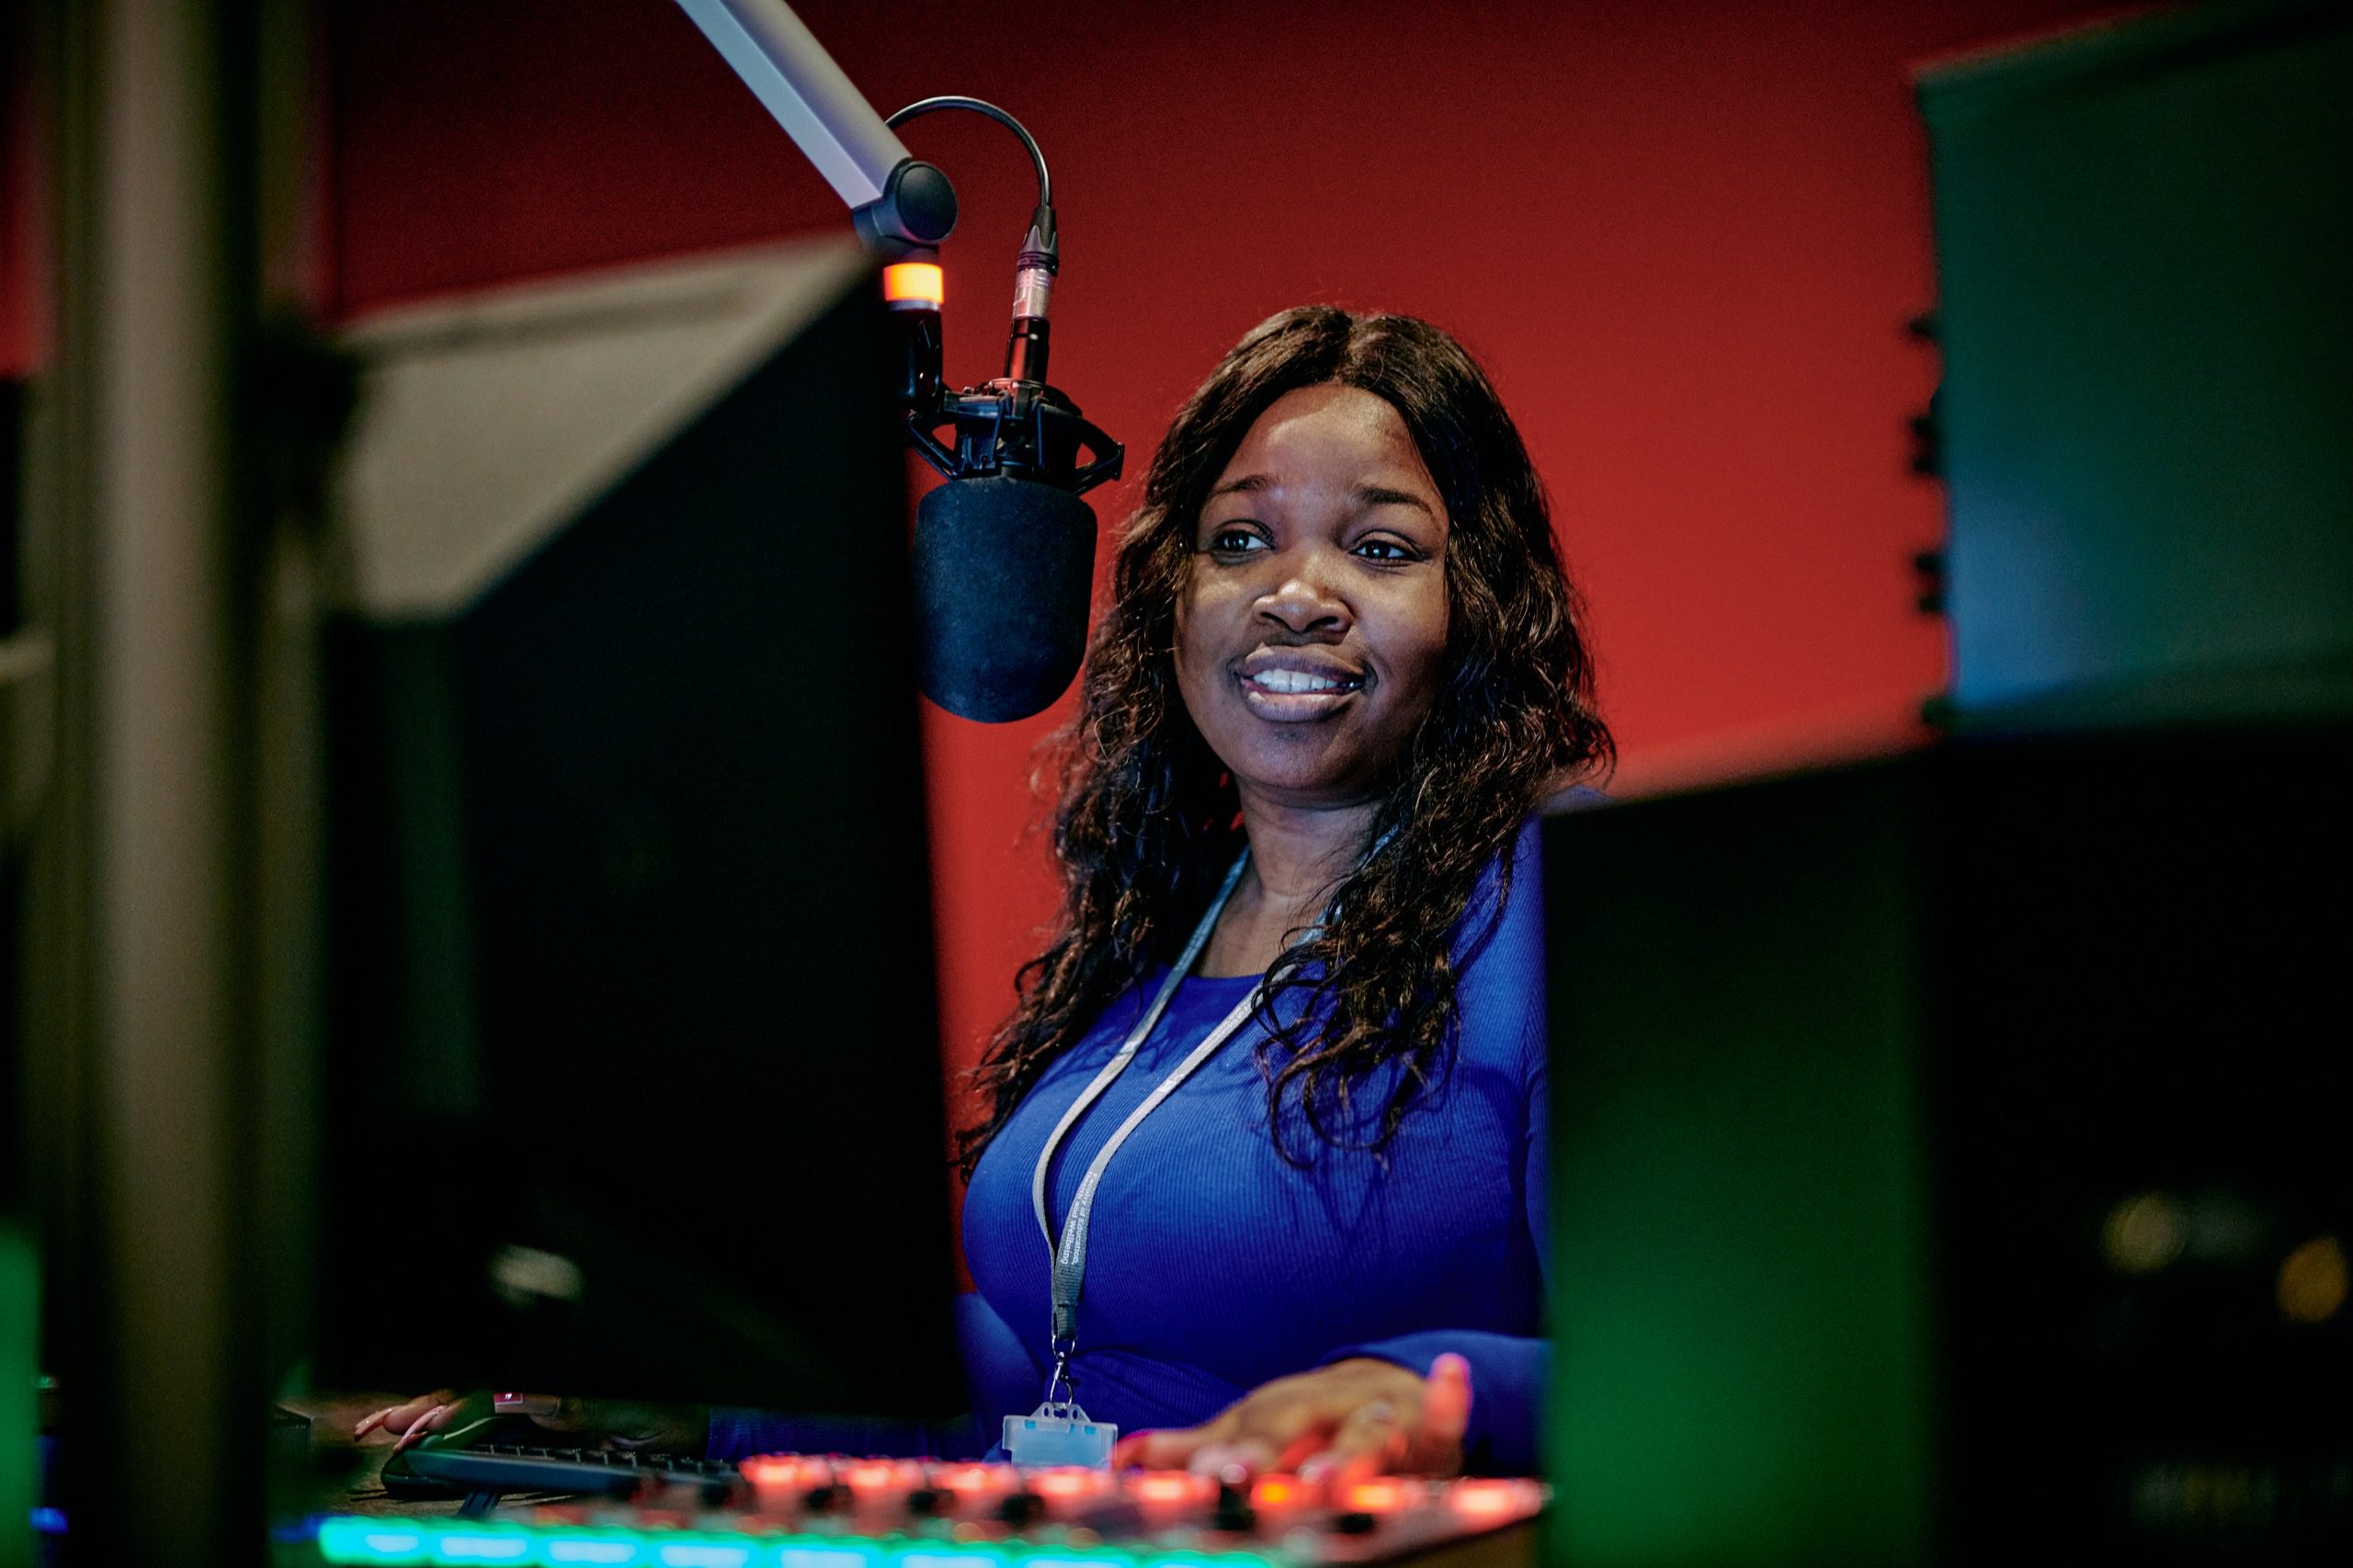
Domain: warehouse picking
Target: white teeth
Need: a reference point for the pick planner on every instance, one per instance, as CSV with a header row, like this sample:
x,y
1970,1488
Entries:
x,y
1295,680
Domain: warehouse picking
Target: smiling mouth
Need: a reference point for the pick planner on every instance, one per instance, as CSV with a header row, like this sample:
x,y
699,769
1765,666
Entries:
x,y
1289,695
1290,681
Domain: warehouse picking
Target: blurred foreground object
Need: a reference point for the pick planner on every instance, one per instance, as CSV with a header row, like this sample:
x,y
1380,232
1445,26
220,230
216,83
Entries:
x,y
164,783
1944,1157
1946,1162
2144,238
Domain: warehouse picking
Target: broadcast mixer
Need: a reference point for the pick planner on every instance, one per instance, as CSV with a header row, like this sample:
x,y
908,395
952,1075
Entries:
x,y
802,1511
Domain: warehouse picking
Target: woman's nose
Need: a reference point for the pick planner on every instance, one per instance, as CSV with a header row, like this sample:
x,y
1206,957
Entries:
x,y
1304,599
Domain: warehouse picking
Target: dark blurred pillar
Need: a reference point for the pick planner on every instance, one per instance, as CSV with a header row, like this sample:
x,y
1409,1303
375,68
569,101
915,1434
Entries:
x,y
169,869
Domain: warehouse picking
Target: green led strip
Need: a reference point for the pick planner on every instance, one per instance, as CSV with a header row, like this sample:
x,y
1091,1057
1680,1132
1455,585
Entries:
x,y
345,1537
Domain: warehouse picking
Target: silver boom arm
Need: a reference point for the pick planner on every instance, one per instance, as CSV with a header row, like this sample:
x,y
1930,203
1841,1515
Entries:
x,y
901,204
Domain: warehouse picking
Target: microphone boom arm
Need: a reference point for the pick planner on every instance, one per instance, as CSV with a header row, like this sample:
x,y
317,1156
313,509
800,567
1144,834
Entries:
x,y
900,204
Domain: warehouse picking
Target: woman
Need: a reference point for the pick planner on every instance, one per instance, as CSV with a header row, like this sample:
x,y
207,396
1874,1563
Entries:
x,y
1340,668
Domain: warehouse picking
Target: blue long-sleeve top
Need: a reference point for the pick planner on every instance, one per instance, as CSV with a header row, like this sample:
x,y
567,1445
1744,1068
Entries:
x,y
1214,1265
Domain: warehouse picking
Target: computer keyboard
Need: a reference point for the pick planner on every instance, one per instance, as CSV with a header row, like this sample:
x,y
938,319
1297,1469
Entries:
x,y
521,1467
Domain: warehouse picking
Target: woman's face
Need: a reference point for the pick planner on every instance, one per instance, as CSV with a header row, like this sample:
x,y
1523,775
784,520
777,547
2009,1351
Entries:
x,y
1312,620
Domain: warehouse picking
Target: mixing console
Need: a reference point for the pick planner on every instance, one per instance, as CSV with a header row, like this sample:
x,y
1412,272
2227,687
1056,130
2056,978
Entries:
x,y
802,1511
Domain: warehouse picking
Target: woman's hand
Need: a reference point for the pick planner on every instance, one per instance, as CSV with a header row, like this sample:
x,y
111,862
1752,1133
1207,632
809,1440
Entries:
x,y
1343,1422
412,1421
668,1429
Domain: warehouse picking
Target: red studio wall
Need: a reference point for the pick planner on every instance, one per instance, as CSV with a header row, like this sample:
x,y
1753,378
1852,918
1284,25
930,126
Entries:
x,y
1685,237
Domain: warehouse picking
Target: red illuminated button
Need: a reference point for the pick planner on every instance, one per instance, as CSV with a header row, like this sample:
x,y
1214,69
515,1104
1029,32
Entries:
x,y
871,1479
1384,1495
972,1482
1069,1483
1173,1489
787,1472
1482,1500
1279,1492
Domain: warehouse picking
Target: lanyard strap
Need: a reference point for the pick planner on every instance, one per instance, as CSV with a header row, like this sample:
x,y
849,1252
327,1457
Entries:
x,y
1070,1259
1069,1253
1069,1274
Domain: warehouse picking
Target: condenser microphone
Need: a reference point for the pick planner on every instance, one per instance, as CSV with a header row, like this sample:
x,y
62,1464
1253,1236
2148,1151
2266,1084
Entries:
x,y
1005,550
1004,570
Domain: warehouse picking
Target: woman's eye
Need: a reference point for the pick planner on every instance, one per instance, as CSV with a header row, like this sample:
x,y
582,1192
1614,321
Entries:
x,y
1385,550
1235,540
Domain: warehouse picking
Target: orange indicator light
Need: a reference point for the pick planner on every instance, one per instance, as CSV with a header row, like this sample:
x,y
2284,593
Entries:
x,y
1276,1491
914,285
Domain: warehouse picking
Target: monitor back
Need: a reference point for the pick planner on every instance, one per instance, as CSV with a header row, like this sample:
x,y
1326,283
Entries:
x,y
634,1087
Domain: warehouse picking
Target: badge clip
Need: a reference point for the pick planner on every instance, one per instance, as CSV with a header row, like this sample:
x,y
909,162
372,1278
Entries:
x,y
1058,1434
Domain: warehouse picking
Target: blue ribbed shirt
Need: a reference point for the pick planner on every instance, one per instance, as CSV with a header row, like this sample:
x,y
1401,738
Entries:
x,y
1215,1265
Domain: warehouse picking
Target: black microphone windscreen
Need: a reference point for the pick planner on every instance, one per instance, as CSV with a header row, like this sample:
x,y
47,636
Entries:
x,y
1004,568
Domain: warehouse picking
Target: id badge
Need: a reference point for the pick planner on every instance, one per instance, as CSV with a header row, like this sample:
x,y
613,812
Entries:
x,y
1059,1434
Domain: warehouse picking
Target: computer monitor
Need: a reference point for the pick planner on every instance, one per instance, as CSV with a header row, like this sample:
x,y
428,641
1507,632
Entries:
x,y
633,1085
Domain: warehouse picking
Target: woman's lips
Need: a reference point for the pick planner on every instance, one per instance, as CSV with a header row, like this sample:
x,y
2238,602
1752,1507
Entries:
x,y
1290,685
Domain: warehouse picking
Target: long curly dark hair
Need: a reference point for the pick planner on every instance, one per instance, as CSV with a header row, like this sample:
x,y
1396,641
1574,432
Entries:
x,y
1148,818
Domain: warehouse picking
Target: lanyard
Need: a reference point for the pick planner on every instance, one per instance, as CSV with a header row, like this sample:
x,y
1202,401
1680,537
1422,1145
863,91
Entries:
x,y
1070,1252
